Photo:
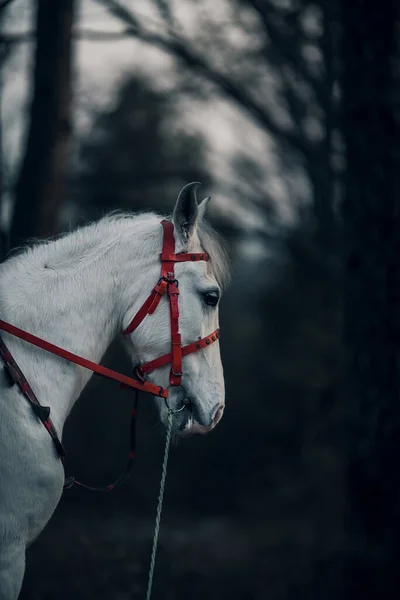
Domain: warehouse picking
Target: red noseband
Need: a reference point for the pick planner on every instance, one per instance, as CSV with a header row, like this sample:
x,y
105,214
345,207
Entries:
x,y
167,284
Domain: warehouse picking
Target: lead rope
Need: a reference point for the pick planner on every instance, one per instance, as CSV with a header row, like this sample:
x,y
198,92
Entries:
x,y
159,505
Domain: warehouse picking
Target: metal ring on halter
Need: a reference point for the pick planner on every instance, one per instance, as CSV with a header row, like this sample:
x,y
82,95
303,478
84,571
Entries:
x,y
184,404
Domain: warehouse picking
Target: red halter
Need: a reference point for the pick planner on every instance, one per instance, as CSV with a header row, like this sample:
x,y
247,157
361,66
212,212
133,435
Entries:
x,y
168,284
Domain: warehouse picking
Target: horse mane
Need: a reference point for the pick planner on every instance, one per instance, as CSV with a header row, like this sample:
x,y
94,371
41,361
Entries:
x,y
217,249
88,242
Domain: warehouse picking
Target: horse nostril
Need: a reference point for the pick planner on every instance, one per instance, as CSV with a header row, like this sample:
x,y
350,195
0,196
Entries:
x,y
218,414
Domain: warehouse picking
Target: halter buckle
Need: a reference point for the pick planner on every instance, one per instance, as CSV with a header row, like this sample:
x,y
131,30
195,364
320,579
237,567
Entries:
x,y
169,279
161,286
176,374
138,373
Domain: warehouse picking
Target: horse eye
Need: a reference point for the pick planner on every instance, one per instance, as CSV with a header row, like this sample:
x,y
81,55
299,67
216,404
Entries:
x,y
211,298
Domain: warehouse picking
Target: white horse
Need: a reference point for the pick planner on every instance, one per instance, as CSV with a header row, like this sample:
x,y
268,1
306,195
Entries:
x,y
79,292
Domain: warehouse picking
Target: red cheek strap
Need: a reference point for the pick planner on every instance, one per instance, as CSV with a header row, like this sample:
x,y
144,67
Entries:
x,y
168,284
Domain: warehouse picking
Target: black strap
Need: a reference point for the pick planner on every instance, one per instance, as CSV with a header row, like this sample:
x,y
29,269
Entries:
x,y
16,377
71,481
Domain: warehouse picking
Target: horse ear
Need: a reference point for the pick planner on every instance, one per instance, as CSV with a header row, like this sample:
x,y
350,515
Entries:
x,y
186,211
203,207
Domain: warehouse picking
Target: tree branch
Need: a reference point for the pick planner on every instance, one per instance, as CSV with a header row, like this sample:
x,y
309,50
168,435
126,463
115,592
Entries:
x,y
90,35
87,35
166,12
178,47
5,3
287,51
120,12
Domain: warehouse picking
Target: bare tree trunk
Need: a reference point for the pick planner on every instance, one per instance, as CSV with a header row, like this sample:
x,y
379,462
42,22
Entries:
x,y
41,184
371,216
5,51
2,232
321,170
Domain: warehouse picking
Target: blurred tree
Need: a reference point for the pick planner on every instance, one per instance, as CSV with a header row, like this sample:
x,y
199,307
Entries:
x,y
41,181
136,157
371,215
5,50
274,60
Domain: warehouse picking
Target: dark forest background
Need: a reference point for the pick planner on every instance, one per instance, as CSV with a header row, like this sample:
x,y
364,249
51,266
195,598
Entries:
x,y
297,492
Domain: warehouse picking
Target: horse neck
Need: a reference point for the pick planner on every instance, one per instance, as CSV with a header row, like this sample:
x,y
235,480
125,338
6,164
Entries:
x,y
74,300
